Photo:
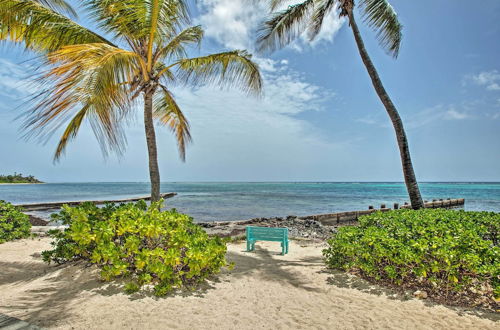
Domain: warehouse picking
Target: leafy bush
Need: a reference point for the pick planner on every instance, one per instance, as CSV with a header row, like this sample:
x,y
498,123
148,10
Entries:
x,y
13,223
451,254
143,244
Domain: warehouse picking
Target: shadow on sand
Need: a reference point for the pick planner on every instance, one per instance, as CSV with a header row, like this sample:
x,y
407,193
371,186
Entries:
x,y
271,266
344,280
51,302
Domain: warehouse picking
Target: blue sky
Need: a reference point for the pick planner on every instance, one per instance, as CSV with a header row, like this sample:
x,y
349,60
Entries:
x,y
320,119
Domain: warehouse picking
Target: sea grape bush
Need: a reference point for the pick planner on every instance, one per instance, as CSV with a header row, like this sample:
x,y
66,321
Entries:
x,y
451,254
163,249
13,223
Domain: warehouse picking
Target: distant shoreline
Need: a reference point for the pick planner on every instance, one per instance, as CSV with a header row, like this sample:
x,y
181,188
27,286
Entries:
x,y
16,183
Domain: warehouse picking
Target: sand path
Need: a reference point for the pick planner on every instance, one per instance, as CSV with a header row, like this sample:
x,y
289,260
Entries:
x,y
264,291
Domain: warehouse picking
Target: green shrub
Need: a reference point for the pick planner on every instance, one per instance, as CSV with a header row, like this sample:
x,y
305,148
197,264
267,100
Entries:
x,y
451,254
145,245
13,223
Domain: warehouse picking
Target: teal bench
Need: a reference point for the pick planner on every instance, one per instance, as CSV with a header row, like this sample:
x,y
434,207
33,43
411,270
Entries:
x,y
255,234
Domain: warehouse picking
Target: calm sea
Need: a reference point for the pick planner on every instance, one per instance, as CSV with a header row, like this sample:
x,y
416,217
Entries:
x,y
236,200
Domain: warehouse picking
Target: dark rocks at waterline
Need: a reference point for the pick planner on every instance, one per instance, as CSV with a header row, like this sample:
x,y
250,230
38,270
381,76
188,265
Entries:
x,y
297,227
36,221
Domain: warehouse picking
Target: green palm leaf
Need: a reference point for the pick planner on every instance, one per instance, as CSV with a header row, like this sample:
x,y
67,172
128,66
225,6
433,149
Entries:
x,y
91,81
381,16
176,47
322,8
41,28
283,27
169,114
233,68
59,6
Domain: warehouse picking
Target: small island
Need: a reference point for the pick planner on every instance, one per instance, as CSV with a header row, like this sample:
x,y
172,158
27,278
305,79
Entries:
x,y
18,178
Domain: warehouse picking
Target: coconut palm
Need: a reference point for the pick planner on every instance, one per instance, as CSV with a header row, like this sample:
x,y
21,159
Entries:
x,y
100,78
284,26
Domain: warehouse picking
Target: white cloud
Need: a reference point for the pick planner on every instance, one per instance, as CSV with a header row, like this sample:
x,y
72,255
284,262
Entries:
x,y
369,120
249,133
267,64
233,23
453,114
16,80
495,115
489,79
437,113
12,78
422,118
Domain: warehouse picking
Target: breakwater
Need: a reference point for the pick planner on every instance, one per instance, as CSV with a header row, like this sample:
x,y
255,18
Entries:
x,y
56,205
332,219
313,226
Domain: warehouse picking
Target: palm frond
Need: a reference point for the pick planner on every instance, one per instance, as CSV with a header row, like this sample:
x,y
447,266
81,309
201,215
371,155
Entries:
x,y
131,20
175,48
70,132
275,4
282,28
40,28
382,18
322,8
60,6
153,24
91,80
229,69
169,114
126,19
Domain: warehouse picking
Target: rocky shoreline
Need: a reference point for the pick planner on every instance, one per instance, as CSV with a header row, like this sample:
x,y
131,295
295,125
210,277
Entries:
x,y
297,227
37,221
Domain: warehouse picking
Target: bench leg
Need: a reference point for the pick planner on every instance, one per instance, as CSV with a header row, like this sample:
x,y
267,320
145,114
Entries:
x,y
249,246
286,246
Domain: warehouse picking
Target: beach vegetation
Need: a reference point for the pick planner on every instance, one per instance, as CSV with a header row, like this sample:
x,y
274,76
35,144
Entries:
x,y
147,247
18,178
307,17
14,224
454,256
141,50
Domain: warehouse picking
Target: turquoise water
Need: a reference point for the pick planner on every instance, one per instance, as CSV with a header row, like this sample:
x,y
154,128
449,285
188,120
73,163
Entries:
x,y
234,201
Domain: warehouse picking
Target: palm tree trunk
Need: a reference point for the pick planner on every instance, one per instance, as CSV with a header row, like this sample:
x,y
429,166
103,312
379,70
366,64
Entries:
x,y
154,172
409,173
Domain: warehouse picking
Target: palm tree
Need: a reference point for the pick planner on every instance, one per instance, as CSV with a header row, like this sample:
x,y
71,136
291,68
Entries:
x,y
284,26
89,77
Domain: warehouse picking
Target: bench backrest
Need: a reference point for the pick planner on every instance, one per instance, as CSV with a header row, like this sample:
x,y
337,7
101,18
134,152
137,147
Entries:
x,y
267,233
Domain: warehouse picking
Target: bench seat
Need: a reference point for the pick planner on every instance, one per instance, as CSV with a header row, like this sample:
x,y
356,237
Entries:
x,y
271,234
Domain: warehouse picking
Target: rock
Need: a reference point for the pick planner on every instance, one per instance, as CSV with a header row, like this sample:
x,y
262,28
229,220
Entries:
x,y
420,294
36,221
297,227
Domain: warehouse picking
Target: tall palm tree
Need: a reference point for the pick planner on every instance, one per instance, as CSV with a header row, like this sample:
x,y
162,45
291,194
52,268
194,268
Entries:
x,y
284,26
89,77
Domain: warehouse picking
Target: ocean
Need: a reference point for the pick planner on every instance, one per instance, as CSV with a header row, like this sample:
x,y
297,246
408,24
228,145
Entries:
x,y
212,201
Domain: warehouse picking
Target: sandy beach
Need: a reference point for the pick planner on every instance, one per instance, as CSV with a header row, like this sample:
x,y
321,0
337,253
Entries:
x,y
264,290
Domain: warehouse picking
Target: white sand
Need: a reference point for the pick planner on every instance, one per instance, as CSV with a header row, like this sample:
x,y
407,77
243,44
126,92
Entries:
x,y
264,291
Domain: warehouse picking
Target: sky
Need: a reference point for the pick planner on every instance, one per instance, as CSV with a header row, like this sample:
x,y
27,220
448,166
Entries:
x,y
319,118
